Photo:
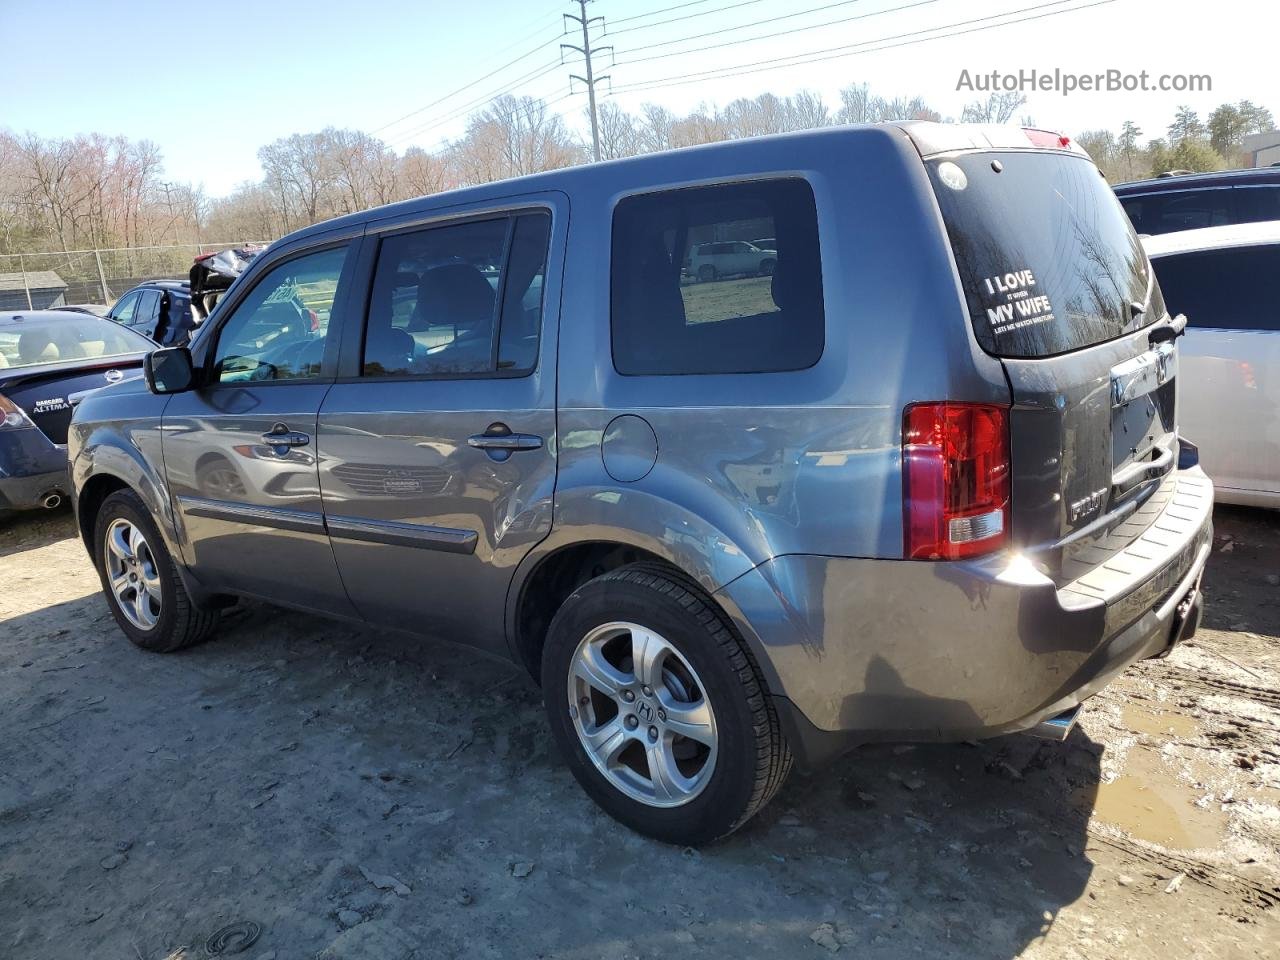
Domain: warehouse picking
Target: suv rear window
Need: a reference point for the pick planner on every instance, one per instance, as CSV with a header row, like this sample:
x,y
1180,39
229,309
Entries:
x,y
1047,258
690,297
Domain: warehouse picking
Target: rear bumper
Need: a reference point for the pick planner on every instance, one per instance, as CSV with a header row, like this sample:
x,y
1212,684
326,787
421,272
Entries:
x,y
857,651
31,466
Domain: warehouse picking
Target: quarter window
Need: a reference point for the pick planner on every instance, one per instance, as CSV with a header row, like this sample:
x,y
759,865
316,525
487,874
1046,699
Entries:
x,y
691,295
462,299
278,331
123,311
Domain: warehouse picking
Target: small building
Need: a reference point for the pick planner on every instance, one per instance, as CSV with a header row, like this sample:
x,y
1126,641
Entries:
x,y
1263,149
47,290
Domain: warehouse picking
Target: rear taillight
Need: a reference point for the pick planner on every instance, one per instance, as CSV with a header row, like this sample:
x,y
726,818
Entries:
x,y
955,480
12,416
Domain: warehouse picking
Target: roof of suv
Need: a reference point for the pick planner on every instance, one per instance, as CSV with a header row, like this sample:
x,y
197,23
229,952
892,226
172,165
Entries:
x,y
929,139
165,284
1213,238
1220,178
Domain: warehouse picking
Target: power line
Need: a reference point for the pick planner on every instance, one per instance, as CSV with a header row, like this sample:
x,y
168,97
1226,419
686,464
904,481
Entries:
x,y
774,34
469,106
654,13
831,53
464,87
689,16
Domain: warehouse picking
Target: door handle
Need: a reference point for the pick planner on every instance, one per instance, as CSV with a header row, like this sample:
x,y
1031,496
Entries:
x,y
499,442
280,439
512,441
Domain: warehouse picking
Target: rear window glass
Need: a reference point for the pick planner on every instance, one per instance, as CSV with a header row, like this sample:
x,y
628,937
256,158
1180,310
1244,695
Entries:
x,y
1047,258
693,293
1233,289
31,341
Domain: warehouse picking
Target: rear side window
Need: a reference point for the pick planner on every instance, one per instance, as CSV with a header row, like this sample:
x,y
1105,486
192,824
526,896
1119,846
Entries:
x,y
1180,210
690,294
1255,204
460,299
1047,258
1234,289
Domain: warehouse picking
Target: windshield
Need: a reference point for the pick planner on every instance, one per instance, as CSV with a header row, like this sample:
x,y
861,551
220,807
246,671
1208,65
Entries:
x,y
1047,258
28,341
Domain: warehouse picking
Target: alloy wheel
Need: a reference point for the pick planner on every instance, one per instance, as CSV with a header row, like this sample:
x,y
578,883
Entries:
x,y
133,574
642,715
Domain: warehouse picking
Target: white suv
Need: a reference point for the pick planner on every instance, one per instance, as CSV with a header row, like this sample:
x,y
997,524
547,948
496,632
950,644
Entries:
x,y
731,258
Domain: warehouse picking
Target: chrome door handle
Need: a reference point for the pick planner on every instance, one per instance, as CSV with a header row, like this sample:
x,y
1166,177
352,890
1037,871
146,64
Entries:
x,y
281,438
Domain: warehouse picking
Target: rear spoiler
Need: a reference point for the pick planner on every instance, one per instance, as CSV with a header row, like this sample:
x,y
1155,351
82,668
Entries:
x,y
932,139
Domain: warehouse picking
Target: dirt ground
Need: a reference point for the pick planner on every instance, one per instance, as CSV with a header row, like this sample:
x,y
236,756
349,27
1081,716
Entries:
x,y
357,794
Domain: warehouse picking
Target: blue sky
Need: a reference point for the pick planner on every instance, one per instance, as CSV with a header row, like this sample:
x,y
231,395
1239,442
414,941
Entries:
x,y
287,66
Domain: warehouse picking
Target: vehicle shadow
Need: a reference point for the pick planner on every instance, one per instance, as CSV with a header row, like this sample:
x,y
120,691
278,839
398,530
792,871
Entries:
x,y
254,776
29,529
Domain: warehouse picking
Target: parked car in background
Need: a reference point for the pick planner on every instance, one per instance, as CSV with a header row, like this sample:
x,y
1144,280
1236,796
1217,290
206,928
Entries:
x,y
923,483
47,358
160,310
1225,279
93,309
730,258
1194,201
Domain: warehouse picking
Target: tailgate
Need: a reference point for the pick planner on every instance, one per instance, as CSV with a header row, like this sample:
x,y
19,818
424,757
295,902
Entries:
x,y
1058,287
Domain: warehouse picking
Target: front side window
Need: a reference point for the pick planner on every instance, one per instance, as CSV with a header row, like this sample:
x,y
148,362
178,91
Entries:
x,y
461,299
690,294
124,309
1233,289
278,331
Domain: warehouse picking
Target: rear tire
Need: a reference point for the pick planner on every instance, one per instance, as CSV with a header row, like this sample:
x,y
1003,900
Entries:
x,y
143,588
645,622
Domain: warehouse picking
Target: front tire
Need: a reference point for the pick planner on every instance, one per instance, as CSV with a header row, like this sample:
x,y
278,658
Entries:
x,y
658,708
146,595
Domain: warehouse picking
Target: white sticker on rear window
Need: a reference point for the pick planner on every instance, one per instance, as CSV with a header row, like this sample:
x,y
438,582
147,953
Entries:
x,y
1014,302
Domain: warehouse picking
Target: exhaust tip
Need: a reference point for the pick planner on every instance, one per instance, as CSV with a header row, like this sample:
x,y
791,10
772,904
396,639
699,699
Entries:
x,y
1056,727
51,500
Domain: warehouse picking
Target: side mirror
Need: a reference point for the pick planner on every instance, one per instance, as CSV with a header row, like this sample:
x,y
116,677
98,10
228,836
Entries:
x,y
169,370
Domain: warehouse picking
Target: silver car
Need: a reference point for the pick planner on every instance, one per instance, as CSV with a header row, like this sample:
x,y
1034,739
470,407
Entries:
x,y
923,482
1223,279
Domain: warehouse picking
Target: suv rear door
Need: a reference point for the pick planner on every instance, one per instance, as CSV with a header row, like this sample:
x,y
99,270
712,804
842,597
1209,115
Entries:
x,y
437,443
1058,287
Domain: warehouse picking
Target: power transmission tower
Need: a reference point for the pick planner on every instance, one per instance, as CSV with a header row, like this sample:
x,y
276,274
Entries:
x,y
590,79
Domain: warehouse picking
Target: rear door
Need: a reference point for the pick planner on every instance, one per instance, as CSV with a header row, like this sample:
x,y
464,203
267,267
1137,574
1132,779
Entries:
x,y
1058,288
1230,385
147,315
437,446
240,452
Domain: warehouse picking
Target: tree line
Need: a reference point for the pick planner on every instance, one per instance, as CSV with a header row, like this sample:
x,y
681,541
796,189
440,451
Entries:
x,y
96,191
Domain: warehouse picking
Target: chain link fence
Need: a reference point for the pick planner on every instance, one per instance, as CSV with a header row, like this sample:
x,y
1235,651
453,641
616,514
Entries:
x,y
38,281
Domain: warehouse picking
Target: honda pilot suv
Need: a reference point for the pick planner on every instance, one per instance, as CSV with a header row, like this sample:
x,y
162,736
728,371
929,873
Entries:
x,y
922,481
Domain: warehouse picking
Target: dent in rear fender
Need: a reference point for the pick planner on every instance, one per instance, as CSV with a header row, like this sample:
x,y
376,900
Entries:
x,y
907,646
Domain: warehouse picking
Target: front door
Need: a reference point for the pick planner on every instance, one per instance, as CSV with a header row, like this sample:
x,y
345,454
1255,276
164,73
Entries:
x,y
437,462
240,453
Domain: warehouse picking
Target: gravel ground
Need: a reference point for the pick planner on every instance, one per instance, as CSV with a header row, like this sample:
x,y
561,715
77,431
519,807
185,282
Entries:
x,y
357,794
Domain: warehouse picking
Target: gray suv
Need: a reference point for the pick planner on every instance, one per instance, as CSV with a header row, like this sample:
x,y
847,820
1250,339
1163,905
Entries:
x,y
922,482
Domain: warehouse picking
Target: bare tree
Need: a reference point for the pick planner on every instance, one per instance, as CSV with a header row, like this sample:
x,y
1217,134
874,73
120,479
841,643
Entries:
x,y
620,134
997,108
